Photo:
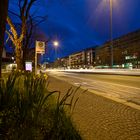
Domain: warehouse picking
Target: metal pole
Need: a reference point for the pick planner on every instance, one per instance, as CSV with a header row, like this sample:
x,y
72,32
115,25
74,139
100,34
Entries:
x,y
55,53
35,60
111,33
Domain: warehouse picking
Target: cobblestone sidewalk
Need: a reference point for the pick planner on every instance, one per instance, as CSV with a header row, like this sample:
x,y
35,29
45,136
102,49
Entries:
x,y
99,118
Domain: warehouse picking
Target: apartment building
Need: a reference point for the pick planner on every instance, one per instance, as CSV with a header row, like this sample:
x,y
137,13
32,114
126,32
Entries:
x,y
90,57
126,51
82,59
77,60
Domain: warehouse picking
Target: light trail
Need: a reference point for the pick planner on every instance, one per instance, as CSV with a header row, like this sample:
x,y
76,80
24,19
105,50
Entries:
x,y
104,88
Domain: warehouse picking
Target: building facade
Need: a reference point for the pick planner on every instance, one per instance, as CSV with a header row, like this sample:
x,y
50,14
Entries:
x,y
83,59
77,60
90,57
126,52
65,62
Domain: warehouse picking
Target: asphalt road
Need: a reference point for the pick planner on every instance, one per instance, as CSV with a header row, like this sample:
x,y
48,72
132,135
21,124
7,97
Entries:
x,y
120,88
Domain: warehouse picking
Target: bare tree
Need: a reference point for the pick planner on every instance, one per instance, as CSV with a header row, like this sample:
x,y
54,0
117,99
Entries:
x,y
32,21
16,38
3,15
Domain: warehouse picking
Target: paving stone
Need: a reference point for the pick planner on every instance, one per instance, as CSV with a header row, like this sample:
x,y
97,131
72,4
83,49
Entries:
x,y
99,118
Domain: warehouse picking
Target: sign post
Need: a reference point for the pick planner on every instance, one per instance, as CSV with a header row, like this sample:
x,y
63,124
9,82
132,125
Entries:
x,y
39,49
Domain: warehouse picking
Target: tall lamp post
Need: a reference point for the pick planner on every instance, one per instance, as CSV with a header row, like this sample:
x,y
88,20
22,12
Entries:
x,y
111,31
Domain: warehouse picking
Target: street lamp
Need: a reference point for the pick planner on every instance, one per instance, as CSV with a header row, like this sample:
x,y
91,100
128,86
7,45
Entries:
x,y
111,33
56,44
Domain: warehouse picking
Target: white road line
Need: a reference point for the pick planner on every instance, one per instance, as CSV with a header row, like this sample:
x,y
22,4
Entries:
x,y
113,84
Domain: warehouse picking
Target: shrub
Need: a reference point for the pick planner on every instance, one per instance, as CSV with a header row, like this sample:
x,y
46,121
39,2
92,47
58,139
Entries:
x,y
29,111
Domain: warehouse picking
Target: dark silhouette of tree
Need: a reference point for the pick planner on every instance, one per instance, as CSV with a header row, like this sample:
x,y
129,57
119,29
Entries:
x,y
3,15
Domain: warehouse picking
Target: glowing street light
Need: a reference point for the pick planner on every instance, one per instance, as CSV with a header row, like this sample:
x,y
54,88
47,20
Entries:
x,y
56,43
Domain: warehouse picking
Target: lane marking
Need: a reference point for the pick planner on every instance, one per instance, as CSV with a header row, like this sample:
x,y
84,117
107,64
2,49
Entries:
x,y
104,82
122,101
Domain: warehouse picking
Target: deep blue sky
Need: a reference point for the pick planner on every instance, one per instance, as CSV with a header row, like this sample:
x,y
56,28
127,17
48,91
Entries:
x,y
79,24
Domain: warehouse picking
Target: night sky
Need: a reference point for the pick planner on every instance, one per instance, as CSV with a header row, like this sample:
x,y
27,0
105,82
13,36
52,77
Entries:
x,y
79,24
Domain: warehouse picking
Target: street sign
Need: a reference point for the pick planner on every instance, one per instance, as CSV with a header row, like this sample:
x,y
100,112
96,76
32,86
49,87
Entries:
x,y
40,47
28,66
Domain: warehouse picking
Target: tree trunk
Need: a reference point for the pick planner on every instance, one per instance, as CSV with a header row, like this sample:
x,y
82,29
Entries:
x,y
25,46
3,15
19,60
24,58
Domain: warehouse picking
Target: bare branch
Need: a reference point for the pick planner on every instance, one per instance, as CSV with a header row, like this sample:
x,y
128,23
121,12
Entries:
x,y
23,29
29,32
24,8
40,22
13,13
24,16
34,12
10,36
29,7
12,27
31,27
39,17
20,7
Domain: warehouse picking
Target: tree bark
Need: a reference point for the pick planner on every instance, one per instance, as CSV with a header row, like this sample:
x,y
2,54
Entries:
x,y
3,15
19,58
17,41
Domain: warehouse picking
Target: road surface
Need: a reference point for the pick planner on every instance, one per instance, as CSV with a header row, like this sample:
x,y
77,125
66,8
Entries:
x,y
120,88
